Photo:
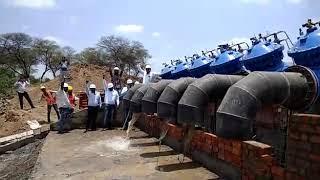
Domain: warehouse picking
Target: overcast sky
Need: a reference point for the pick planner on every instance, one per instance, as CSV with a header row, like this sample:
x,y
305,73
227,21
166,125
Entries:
x,y
168,28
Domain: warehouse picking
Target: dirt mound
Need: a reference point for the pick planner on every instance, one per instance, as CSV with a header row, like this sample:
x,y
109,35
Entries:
x,y
13,120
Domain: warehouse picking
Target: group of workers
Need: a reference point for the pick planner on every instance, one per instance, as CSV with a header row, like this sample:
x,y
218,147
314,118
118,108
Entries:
x,y
64,100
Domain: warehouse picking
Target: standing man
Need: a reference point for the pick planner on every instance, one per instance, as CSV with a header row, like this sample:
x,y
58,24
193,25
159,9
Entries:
x,y
64,68
116,78
94,104
22,85
51,102
64,106
126,113
111,100
148,76
126,88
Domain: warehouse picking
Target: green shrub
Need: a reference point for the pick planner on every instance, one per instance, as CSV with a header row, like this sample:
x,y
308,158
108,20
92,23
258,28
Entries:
x,y
7,79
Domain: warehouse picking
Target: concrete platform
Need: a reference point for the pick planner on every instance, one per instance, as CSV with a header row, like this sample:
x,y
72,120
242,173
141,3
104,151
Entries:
x,y
107,155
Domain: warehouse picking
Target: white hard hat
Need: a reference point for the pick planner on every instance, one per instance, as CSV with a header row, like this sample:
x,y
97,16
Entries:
x,y
42,87
129,81
137,82
148,66
92,86
110,85
116,68
65,85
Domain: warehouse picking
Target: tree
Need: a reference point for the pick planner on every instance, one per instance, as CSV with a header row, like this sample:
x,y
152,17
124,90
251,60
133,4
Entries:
x,y
90,56
17,53
46,50
69,53
122,52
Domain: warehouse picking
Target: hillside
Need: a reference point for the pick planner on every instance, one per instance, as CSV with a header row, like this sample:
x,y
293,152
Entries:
x,y
13,120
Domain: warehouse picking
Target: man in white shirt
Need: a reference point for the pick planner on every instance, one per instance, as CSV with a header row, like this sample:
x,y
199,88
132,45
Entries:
x,y
94,104
22,85
148,76
111,100
64,106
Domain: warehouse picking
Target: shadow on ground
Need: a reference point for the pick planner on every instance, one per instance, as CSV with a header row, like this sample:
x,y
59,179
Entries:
x,y
157,154
178,166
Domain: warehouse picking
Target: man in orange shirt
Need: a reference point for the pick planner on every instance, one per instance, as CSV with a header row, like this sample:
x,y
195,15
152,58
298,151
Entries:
x,y
51,101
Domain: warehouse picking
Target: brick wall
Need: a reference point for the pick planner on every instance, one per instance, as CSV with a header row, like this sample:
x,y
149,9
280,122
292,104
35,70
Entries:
x,y
256,160
303,148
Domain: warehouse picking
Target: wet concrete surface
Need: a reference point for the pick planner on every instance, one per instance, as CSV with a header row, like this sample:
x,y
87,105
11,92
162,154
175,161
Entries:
x,y
107,155
19,164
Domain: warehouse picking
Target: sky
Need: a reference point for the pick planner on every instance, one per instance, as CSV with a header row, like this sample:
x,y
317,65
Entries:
x,y
169,29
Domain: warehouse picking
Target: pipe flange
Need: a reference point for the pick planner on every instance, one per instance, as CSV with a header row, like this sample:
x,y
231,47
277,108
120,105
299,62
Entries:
x,y
312,81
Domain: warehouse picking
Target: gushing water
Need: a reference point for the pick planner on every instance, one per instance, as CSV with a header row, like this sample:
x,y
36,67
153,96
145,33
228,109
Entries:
x,y
118,144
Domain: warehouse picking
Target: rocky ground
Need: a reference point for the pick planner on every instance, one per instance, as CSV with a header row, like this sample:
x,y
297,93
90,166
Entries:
x,y
19,164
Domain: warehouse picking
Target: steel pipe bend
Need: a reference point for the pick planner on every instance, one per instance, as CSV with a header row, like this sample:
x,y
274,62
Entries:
x,y
238,108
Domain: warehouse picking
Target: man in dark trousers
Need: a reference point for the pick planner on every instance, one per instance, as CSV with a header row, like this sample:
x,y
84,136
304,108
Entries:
x,y
22,85
111,100
116,79
94,104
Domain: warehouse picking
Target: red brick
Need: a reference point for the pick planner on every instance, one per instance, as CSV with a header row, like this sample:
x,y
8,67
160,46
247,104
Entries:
x,y
227,156
294,135
237,151
293,176
221,155
244,177
278,171
314,157
228,148
267,159
315,139
306,128
221,146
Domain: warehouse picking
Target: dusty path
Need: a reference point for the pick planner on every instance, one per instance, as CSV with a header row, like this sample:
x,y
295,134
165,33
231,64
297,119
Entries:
x,y
106,155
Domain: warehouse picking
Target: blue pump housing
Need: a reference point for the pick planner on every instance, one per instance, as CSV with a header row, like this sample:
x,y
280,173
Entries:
x,y
200,66
264,56
228,62
181,70
306,53
166,71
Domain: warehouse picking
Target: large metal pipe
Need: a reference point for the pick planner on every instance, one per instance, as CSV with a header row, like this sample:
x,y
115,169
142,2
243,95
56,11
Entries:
x,y
168,101
150,99
135,102
127,97
210,87
236,113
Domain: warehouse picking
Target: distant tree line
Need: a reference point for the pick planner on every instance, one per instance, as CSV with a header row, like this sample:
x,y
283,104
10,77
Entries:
x,y
20,52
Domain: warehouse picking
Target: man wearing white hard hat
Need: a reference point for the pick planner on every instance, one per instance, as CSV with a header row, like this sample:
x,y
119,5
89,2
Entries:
x,y
94,104
126,88
111,100
116,78
149,76
64,106
126,111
